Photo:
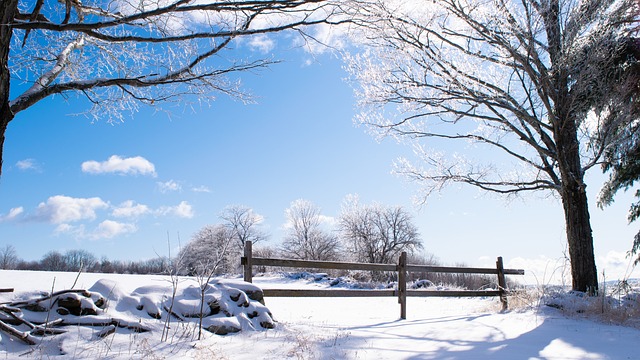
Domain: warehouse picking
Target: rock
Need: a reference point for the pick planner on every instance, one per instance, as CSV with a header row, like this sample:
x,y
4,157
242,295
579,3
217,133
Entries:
x,y
420,284
223,329
252,291
76,305
106,331
35,307
214,305
267,324
256,295
239,297
71,303
100,302
62,311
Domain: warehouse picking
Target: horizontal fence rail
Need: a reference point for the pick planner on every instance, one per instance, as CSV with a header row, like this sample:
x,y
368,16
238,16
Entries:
x,y
462,270
402,268
313,264
327,293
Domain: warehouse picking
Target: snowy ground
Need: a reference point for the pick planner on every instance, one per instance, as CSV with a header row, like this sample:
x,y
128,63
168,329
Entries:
x,y
334,328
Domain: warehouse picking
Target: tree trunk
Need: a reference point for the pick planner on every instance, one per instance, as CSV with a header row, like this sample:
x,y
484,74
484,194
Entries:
x,y
580,238
572,187
8,10
576,207
574,201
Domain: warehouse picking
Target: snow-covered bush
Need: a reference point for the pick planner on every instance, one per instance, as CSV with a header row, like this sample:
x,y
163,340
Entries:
x,y
617,302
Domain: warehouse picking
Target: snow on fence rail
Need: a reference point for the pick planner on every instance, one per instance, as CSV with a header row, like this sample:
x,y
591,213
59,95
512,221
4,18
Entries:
x,y
402,268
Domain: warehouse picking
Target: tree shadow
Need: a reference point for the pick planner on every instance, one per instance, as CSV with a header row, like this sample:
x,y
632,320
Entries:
x,y
481,337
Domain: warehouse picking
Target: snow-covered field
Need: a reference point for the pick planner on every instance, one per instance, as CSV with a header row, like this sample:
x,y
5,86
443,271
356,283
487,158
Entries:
x,y
327,328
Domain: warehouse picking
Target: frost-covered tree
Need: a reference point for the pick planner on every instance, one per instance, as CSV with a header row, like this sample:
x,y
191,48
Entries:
x,y
376,233
210,250
306,236
243,224
119,54
523,87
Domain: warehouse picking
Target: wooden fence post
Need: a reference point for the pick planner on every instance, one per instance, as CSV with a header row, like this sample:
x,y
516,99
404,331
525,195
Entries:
x,y
248,263
502,283
402,284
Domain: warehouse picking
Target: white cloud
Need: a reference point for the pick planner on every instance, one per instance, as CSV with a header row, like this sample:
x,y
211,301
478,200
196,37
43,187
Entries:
x,y
109,229
261,43
76,231
170,185
12,215
326,38
202,189
183,210
62,209
129,209
105,230
28,164
125,166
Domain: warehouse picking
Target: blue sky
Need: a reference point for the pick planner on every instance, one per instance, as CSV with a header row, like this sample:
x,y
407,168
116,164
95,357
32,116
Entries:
x,y
59,189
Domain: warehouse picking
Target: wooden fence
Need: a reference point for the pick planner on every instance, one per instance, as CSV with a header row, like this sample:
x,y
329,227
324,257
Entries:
x,y
402,268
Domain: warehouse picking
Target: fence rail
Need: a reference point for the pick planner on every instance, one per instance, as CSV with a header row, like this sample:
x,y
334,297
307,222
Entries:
x,y
402,268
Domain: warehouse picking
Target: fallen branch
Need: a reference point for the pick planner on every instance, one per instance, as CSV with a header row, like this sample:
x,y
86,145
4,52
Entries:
x,y
174,314
23,336
82,292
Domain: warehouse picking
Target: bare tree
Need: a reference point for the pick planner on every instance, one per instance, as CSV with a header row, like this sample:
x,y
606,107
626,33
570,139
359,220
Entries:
x,y
53,261
119,54
8,257
79,260
377,234
243,224
525,82
306,238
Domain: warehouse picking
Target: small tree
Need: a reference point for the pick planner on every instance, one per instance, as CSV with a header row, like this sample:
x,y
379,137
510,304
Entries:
x,y
305,236
8,257
377,234
243,224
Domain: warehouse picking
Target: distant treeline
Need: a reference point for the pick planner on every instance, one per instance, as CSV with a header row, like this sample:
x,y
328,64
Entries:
x,y
81,260
84,261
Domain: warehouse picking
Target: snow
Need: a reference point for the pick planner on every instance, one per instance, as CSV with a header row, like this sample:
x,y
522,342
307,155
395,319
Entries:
x,y
318,328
